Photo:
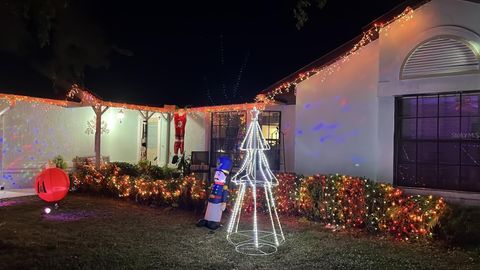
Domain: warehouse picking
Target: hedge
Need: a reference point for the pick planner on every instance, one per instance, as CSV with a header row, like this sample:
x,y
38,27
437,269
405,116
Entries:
x,y
338,201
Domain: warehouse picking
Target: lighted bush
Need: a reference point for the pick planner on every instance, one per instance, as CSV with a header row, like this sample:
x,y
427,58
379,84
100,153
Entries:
x,y
127,168
188,192
60,162
343,202
338,201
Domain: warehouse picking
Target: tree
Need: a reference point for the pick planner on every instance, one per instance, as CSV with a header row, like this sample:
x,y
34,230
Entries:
x,y
58,38
300,11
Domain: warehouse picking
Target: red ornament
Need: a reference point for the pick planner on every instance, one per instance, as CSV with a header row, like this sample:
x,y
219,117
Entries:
x,y
52,184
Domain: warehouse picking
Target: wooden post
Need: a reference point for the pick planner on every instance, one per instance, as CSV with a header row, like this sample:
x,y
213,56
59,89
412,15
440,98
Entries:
x,y
98,132
144,139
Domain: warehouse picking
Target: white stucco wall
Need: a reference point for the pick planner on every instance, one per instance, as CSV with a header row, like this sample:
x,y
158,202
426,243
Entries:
x,y
196,132
196,136
336,119
288,129
439,17
349,118
122,142
35,133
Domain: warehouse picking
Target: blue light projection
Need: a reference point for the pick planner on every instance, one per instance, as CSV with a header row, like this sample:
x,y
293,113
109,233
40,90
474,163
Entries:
x,y
318,126
324,122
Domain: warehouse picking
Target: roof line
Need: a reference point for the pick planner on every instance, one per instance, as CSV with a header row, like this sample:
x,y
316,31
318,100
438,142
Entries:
x,y
333,55
12,99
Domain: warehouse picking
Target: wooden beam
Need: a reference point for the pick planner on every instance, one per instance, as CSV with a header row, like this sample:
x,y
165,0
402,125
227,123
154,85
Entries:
x,y
98,133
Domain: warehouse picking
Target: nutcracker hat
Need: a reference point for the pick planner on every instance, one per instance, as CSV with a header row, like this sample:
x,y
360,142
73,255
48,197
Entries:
x,y
224,164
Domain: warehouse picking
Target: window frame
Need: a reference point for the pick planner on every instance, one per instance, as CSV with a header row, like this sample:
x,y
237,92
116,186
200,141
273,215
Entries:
x,y
234,155
275,167
460,141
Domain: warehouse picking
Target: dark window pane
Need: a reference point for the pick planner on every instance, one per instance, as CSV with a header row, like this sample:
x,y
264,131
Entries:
x,y
407,152
449,105
427,128
448,128
408,107
470,105
226,130
471,153
427,152
406,175
427,176
448,177
449,153
215,119
439,142
427,106
470,178
276,118
409,128
215,132
470,128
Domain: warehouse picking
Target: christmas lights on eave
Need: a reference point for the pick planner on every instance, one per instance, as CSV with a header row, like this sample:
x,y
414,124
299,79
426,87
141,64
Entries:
x,y
88,98
12,99
328,69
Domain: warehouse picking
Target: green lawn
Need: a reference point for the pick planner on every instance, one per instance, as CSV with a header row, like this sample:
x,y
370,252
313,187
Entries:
x,y
98,233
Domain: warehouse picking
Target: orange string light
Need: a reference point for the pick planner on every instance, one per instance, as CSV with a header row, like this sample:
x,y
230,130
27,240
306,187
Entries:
x,y
335,65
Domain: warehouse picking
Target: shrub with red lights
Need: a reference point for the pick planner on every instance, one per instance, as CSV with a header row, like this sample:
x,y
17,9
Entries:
x,y
338,201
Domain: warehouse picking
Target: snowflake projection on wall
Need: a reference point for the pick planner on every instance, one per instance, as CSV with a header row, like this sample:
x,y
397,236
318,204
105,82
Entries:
x,y
91,126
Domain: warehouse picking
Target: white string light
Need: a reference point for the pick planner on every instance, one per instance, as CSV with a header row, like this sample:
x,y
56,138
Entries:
x,y
255,241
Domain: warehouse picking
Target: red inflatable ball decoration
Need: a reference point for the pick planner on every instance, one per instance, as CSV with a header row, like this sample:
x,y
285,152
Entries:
x,y
52,184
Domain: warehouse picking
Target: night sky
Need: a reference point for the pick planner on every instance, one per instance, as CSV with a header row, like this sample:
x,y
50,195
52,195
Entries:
x,y
177,48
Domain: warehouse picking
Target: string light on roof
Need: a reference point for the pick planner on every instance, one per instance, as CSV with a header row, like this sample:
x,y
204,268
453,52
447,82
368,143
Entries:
x,y
327,70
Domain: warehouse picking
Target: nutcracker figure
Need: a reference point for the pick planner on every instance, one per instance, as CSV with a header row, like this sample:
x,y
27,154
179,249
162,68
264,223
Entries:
x,y
217,200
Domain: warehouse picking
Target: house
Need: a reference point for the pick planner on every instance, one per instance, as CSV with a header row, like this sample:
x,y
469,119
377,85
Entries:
x,y
399,103
35,130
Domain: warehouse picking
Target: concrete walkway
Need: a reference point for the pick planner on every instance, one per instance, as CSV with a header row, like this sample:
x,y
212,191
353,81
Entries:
x,y
12,193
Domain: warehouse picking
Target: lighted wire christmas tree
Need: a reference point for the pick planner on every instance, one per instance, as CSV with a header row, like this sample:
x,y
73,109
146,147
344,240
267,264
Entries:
x,y
255,174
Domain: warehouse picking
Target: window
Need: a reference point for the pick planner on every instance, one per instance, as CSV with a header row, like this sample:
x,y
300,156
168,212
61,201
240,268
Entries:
x,y
441,56
228,130
437,141
270,123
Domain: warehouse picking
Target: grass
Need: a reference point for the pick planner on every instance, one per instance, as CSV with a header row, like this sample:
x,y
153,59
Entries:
x,y
104,233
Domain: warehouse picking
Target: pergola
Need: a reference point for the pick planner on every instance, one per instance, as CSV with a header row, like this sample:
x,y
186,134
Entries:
x,y
87,99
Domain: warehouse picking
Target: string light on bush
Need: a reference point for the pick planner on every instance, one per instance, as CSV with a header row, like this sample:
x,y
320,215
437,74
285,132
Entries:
x,y
340,202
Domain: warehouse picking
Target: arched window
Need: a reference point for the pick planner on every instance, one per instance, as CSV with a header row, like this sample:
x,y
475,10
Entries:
x,y
441,56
